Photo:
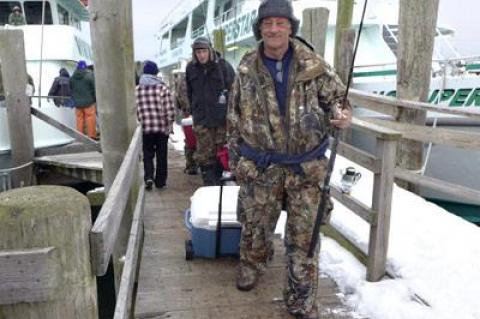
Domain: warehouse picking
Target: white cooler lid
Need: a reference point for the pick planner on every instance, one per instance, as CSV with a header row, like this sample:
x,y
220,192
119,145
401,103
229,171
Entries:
x,y
204,207
187,121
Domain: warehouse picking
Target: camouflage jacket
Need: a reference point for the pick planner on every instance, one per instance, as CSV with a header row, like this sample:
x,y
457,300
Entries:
x,y
181,98
254,117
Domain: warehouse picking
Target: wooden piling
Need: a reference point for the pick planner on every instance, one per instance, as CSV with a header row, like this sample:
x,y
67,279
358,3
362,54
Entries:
x,y
344,21
14,75
414,66
45,269
314,28
347,44
112,42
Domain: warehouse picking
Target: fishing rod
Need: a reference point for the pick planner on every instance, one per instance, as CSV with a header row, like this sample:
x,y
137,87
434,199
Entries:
x,y
333,152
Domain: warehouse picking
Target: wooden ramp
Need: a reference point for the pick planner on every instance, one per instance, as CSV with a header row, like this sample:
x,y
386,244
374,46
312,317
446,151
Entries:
x,y
171,287
86,166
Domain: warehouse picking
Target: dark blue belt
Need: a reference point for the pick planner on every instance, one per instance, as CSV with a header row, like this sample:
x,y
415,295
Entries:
x,y
263,159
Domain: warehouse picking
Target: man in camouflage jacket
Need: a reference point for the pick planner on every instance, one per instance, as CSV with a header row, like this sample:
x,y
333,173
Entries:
x,y
209,79
182,104
285,101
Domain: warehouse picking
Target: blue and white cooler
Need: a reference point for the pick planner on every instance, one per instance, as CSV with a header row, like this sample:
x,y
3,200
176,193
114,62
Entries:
x,y
209,240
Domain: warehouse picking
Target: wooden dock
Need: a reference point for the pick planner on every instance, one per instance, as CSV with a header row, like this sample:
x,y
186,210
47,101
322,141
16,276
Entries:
x,y
85,166
171,287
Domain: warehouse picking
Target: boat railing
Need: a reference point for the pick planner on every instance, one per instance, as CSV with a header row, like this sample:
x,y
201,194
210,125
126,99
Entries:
x,y
229,14
455,66
198,32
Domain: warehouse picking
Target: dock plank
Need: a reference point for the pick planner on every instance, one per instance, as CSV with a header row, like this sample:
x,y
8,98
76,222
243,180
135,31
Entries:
x,y
171,287
86,166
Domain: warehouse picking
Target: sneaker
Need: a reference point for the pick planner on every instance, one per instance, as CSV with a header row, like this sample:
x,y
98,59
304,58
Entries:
x,y
148,184
247,278
160,185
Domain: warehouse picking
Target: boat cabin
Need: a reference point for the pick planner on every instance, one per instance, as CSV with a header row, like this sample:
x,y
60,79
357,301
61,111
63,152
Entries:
x,y
62,12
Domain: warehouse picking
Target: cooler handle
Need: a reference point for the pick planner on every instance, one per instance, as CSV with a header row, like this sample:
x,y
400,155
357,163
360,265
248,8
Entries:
x,y
188,222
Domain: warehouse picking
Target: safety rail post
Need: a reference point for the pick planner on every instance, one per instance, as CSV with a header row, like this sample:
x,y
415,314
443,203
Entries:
x,y
381,205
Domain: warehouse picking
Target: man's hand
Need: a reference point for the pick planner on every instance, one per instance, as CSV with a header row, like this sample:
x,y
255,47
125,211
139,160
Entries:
x,y
342,118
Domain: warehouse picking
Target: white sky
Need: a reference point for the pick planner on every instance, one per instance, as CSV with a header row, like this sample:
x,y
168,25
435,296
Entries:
x,y
149,14
433,254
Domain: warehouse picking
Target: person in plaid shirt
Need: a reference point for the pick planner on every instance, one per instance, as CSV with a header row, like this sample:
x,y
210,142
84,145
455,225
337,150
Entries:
x,y
156,113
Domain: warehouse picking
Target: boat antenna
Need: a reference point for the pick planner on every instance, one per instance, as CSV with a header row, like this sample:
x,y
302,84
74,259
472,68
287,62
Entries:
x,y
41,57
333,151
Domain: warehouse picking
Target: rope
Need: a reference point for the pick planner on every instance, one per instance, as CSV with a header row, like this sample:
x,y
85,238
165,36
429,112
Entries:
x,y
435,120
7,171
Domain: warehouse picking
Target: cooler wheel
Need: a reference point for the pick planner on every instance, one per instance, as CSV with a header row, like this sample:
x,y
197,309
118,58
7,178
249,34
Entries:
x,y
188,250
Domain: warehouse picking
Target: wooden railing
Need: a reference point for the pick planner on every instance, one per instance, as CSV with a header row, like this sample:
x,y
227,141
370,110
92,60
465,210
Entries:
x,y
104,233
382,164
435,135
123,306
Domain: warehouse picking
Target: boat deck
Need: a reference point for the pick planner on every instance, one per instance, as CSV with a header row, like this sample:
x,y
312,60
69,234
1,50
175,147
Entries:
x,y
171,287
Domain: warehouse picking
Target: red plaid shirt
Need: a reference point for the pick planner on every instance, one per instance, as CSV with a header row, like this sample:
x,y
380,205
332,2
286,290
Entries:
x,y
155,110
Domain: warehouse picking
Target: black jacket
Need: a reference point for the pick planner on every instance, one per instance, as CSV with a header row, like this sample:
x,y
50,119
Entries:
x,y
60,87
204,86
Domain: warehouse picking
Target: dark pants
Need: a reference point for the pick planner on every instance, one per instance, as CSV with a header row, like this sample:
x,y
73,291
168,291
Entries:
x,y
155,145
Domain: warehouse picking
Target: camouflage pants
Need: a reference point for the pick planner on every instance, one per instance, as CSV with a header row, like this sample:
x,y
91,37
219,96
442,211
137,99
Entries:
x,y
189,158
209,140
261,198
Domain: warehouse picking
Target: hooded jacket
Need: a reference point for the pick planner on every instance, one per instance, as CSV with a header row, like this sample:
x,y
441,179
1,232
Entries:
x,y
254,117
60,87
154,101
205,82
82,84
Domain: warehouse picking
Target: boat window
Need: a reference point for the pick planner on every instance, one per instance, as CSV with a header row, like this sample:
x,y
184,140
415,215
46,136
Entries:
x,y
5,10
199,16
33,12
226,10
63,15
84,49
178,34
164,44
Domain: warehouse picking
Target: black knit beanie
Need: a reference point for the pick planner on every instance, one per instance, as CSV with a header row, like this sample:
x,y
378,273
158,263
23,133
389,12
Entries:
x,y
275,8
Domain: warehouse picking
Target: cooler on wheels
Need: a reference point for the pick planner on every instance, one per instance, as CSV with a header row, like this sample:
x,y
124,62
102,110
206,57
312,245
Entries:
x,y
209,238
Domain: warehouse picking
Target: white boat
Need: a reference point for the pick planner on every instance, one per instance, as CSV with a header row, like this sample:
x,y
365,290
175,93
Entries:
x,y
455,79
61,41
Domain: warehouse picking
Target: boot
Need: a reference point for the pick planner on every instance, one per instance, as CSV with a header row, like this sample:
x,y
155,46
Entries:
x,y
208,175
312,314
247,278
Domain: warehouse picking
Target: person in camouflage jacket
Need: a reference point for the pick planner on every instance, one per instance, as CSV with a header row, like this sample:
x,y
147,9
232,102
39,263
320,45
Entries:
x,y
182,104
285,101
